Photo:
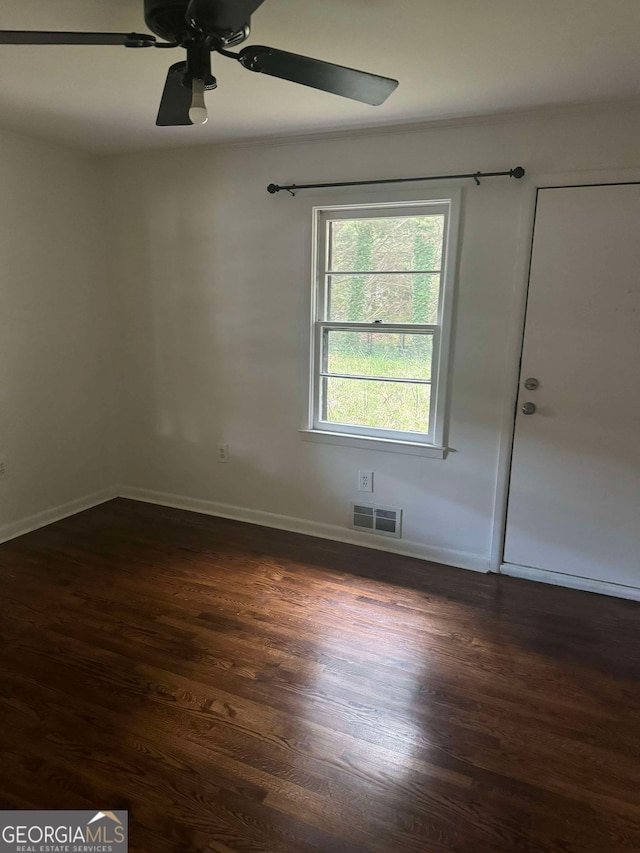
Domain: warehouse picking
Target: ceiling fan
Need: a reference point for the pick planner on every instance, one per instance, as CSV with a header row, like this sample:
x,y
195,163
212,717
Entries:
x,y
203,27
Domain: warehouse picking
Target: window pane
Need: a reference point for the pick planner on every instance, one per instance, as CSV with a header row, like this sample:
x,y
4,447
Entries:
x,y
385,405
394,243
379,354
390,298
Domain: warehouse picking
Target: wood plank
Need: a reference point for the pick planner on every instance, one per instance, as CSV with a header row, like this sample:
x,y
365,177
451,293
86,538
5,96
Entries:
x,y
244,689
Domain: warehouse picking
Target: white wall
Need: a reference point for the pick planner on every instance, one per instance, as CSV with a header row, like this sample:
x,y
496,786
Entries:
x,y
56,376
196,282
214,275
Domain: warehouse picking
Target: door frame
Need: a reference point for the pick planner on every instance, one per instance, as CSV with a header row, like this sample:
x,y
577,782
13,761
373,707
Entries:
x,y
515,342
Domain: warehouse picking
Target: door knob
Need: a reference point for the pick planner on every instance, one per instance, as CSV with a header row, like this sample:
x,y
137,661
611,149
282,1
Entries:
x,y
531,384
528,408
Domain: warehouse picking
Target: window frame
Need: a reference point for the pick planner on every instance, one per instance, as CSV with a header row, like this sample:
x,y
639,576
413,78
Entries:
x,y
433,441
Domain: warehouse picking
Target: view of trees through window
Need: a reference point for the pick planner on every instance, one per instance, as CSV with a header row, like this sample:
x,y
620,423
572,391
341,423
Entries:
x,y
372,247
381,270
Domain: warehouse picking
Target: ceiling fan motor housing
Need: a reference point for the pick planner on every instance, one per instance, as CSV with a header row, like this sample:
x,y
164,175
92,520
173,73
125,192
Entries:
x,y
166,18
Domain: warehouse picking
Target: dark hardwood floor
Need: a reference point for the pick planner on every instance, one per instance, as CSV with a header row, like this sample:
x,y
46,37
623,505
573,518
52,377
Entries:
x,y
249,690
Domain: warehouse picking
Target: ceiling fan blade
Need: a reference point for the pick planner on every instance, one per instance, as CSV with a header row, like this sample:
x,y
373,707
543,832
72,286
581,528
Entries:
x,y
176,99
348,82
34,37
221,15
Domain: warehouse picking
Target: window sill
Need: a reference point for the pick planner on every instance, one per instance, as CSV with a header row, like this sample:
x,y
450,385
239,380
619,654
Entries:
x,y
411,448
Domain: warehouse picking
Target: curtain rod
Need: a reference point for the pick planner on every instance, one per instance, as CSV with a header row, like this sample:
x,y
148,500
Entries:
x,y
518,172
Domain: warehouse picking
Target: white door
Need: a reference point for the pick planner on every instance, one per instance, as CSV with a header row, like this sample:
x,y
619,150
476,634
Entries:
x,y
574,497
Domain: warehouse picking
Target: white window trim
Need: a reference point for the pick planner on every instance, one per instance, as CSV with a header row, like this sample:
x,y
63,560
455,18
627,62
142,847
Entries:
x,y
432,445
365,443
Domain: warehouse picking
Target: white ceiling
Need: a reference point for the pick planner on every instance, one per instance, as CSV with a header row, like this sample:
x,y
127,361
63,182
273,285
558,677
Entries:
x,y
452,57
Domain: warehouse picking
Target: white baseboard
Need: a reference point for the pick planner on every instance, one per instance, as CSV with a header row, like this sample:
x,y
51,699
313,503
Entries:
x,y
450,557
49,516
571,581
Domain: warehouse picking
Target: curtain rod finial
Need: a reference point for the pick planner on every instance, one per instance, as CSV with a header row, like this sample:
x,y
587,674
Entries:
x,y
273,188
518,172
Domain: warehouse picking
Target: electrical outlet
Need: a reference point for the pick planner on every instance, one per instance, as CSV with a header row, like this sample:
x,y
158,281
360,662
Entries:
x,y
3,467
222,452
365,481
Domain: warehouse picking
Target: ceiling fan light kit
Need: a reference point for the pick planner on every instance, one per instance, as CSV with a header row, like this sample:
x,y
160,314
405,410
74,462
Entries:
x,y
203,27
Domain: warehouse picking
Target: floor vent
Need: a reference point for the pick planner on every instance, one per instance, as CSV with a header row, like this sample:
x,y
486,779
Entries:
x,y
386,520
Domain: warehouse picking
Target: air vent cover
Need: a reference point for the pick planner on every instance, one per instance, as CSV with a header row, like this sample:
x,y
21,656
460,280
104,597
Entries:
x,y
386,520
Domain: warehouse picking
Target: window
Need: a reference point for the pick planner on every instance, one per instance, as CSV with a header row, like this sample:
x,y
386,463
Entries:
x,y
382,316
